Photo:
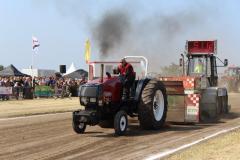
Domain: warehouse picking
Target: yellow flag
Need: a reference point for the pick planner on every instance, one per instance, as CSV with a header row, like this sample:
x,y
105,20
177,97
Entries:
x,y
87,51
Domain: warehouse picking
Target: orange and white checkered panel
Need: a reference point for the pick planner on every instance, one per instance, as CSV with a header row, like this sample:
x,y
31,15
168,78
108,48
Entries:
x,y
188,83
193,99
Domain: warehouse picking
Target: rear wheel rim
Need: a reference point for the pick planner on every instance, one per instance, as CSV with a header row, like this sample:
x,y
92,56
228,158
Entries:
x,y
123,123
158,105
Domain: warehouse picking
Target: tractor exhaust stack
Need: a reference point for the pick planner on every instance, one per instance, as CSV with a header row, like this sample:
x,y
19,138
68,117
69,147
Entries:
x,y
101,72
183,65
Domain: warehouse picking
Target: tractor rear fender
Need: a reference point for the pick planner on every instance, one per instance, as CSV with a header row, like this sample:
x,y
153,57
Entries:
x,y
140,86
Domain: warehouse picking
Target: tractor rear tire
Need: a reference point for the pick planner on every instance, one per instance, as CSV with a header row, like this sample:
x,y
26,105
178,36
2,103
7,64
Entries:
x,y
225,105
219,105
211,116
120,123
78,127
152,109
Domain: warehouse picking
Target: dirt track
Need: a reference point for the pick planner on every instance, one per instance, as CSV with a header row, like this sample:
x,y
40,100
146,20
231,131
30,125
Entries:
x,y
51,137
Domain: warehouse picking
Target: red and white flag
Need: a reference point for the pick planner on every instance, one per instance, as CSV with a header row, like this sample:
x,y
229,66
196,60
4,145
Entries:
x,y
35,43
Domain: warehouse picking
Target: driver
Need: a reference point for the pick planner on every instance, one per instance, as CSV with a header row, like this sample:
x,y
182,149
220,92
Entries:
x,y
126,71
199,67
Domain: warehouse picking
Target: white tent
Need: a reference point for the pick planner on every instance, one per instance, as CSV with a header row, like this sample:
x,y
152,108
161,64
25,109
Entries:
x,y
71,69
39,72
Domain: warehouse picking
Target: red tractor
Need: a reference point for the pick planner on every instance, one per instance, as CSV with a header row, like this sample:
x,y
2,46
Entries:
x,y
231,79
102,99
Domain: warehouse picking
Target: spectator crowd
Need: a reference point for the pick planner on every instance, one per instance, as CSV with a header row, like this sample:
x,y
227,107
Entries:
x,y
24,87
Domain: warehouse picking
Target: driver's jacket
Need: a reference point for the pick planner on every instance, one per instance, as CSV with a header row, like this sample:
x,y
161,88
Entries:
x,y
198,68
126,71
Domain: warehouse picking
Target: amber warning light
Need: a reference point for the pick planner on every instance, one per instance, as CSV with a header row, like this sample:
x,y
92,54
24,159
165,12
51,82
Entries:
x,y
207,47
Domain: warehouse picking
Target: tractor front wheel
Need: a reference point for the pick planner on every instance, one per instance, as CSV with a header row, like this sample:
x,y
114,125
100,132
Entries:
x,y
120,123
78,127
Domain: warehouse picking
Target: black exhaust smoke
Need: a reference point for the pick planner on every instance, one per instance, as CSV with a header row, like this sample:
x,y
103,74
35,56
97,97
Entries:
x,y
111,30
129,30
120,32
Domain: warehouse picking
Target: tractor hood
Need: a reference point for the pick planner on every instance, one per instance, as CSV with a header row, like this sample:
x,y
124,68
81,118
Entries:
x,y
109,88
105,80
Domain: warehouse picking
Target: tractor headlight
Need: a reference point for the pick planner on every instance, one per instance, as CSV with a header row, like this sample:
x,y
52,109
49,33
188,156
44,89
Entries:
x,y
93,100
84,100
100,102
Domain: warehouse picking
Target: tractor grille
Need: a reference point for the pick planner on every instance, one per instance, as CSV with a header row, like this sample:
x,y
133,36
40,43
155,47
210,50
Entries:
x,y
89,91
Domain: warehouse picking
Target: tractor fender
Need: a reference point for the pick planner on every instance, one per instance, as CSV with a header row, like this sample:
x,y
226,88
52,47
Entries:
x,y
140,86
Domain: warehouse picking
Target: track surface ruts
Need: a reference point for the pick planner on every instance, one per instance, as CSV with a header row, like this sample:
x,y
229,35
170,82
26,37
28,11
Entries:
x,y
51,137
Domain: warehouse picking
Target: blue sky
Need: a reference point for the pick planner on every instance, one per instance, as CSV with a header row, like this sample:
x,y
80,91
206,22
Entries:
x,y
62,26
